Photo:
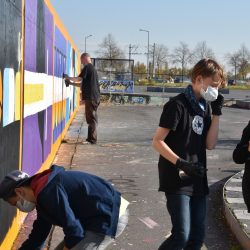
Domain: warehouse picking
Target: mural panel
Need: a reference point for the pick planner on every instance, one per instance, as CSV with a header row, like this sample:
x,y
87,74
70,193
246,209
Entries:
x,y
38,85
10,56
48,106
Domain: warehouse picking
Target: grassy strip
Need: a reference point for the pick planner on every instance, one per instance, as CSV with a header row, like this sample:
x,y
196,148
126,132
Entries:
x,y
240,87
156,84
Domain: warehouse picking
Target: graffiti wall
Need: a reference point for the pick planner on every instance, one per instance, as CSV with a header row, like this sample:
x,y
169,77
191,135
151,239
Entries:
x,y
116,86
35,106
10,83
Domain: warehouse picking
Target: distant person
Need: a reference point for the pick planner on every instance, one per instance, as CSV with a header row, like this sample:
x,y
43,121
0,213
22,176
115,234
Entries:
x,y
89,209
88,81
189,125
241,155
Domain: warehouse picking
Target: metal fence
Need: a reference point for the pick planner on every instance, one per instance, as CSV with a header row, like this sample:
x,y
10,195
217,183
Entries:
x,y
115,75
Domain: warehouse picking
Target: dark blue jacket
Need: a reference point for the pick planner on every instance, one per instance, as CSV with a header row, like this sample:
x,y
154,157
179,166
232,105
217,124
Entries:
x,y
77,202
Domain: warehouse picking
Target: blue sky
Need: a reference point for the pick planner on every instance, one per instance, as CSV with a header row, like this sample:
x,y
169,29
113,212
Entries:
x,y
223,24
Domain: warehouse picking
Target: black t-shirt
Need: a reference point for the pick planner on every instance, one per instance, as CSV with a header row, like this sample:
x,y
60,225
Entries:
x,y
90,86
187,138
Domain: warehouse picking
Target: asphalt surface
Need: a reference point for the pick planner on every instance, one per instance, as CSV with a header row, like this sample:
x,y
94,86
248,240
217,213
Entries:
x,y
125,157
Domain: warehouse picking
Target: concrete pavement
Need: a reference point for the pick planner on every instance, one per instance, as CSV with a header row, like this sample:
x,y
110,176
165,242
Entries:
x,y
125,157
123,164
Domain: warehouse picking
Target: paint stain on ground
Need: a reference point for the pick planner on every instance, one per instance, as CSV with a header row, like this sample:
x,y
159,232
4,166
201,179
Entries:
x,y
149,222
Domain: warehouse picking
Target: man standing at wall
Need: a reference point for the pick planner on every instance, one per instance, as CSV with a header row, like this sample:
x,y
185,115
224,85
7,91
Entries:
x,y
88,81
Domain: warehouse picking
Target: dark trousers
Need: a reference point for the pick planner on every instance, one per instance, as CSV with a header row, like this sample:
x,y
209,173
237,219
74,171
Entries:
x,y
91,119
188,222
245,188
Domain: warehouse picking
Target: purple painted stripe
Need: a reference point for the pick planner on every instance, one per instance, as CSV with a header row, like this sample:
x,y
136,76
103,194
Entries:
x,y
60,41
32,145
49,25
58,130
30,34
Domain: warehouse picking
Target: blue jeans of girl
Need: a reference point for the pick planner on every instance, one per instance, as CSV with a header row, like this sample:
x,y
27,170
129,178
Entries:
x,y
188,214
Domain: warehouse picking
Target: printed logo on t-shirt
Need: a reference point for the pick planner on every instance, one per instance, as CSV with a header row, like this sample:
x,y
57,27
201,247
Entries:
x,y
198,124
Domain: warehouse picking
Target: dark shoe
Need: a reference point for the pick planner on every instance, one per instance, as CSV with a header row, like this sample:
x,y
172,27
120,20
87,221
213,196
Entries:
x,y
90,142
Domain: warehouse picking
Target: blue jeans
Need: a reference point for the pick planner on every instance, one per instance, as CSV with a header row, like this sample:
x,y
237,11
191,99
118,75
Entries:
x,y
188,215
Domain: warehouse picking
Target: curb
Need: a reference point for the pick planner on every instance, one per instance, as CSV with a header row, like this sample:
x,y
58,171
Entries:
x,y
243,103
235,211
175,89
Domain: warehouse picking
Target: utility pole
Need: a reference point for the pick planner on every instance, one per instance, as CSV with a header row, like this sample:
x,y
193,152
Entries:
x,y
85,42
129,52
148,51
153,68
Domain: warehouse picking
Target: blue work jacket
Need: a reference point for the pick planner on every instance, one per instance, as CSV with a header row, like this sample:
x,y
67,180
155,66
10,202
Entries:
x,y
75,201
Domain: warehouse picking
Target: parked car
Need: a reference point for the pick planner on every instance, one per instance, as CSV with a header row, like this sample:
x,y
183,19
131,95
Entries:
x,y
231,82
177,80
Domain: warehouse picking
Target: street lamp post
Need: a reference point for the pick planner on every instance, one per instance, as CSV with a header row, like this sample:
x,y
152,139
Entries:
x,y
86,37
148,52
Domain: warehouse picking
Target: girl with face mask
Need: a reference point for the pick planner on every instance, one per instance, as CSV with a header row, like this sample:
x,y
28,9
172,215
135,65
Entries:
x,y
189,125
210,94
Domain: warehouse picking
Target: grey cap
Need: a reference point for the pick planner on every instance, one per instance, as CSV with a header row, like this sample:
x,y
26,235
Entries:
x,y
11,181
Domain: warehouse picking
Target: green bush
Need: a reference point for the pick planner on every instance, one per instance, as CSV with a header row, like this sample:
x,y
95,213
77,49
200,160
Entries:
x,y
239,87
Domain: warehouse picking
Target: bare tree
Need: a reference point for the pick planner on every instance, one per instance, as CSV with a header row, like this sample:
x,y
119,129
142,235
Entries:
x,y
110,49
182,55
244,61
202,51
160,56
234,61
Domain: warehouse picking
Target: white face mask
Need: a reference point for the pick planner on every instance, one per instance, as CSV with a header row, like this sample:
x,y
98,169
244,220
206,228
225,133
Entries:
x,y
25,206
210,94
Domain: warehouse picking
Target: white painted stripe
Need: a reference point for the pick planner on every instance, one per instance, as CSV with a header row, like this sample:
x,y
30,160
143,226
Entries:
x,y
235,200
235,180
8,96
235,189
57,89
242,214
213,156
60,90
